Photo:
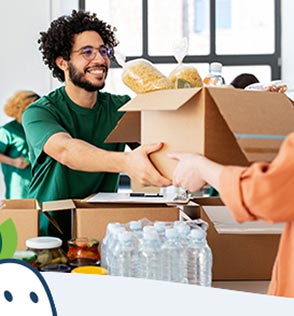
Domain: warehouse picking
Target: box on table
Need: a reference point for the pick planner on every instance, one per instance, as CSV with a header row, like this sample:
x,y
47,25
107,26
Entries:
x,y
91,219
240,251
230,126
25,215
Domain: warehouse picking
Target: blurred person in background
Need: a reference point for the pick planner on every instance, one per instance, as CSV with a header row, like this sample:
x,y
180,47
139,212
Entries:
x,y
243,80
14,155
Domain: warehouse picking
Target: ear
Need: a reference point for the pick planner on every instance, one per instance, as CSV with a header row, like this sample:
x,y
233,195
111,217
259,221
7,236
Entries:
x,y
61,63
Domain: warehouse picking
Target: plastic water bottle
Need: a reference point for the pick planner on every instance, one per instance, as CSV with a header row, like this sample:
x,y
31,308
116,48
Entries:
x,y
122,259
172,258
214,77
150,256
183,230
137,234
199,259
111,246
160,229
105,242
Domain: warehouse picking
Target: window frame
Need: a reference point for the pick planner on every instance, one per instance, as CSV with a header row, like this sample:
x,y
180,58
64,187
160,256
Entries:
x,y
271,60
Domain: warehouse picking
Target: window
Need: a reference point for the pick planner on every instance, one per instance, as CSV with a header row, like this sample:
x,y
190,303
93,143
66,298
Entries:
x,y
234,33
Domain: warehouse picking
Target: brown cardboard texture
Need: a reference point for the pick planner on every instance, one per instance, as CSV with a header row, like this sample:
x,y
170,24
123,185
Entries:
x,y
230,126
25,215
91,219
238,256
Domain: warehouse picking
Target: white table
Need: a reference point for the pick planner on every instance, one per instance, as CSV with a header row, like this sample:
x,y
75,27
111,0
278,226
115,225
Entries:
x,y
246,286
82,294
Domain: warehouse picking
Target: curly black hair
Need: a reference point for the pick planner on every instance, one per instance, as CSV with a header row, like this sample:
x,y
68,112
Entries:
x,y
58,40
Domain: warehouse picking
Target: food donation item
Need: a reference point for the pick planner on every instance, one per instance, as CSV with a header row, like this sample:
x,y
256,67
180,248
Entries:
x,y
188,73
83,251
48,250
141,76
184,72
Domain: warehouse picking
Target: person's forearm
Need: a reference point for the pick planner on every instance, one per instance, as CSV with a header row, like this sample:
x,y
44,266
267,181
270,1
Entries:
x,y
6,160
210,171
79,155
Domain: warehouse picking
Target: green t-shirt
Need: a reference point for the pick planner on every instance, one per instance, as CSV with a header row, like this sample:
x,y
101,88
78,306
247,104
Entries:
x,y
51,180
13,144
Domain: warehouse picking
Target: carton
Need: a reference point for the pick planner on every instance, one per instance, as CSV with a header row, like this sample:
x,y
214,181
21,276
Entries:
x,y
243,253
25,215
91,219
230,126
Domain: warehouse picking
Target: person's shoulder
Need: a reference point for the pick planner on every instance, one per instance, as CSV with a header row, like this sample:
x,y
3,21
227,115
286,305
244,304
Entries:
x,y
10,125
115,98
48,100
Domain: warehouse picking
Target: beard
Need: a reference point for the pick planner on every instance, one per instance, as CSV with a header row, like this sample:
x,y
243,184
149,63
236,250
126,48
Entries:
x,y
77,79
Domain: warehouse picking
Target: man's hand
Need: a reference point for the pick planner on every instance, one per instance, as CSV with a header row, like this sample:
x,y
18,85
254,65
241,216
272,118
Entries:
x,y
139,167
20,163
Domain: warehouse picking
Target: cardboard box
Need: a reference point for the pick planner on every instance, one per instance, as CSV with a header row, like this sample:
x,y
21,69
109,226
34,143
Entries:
x,y
237,255
25,215
230,126
91,219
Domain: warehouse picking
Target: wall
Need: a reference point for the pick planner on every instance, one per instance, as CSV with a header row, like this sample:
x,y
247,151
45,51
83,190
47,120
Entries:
x,y
21,66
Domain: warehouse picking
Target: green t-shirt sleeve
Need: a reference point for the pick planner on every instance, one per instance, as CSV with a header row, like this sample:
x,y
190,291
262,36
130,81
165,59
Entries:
x,y
39,124
4,141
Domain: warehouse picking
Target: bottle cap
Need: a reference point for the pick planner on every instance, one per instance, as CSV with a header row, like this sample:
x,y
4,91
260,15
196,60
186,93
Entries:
x,y
135,225
197,233
216,67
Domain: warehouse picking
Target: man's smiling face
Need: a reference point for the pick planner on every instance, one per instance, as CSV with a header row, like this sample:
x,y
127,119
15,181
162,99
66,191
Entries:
x,y
88,74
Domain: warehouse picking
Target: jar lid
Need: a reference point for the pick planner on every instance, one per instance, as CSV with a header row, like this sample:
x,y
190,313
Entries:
x,y
90,270
26,255
43,242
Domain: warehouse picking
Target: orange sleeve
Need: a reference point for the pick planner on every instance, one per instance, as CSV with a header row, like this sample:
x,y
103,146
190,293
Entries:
x,y
263,191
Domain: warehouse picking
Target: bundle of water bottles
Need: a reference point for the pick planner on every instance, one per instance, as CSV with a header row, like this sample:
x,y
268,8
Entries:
x,y
168,251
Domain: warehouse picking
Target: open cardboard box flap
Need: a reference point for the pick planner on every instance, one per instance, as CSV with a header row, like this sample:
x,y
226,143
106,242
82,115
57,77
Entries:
x,y
76,204
230,126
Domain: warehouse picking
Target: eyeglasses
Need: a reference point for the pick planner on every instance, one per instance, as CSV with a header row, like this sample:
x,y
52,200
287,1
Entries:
x,y
90,52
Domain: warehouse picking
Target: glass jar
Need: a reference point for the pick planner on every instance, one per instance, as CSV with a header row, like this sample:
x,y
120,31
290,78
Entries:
x,y
28,256
83,251
48,250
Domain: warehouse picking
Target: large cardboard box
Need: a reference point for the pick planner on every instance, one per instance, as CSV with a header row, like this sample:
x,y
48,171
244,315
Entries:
x,y
91,219
230,126
242,251
25,215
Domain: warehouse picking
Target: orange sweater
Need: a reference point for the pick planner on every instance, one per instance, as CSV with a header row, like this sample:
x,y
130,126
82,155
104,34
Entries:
x,y
265,191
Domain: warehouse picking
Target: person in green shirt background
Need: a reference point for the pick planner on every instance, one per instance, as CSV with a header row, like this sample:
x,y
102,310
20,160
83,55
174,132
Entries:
x,y
13,147
66,129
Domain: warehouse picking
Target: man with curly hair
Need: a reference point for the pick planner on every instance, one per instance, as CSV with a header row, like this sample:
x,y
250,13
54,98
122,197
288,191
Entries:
x,y
13,147
66,129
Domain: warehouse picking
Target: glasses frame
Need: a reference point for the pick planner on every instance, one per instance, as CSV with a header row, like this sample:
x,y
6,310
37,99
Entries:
x,y
103,50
